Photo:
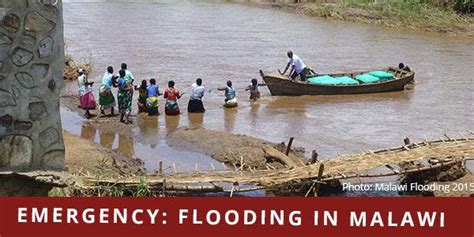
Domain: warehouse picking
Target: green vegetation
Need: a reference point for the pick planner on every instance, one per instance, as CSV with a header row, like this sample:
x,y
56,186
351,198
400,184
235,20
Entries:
x,y
464,6
407,14
143,190
58,192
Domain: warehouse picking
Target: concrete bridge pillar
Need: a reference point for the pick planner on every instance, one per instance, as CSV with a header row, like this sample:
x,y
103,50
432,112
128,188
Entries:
x,y
31,75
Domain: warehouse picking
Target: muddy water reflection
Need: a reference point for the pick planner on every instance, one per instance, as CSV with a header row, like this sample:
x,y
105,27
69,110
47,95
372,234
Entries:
x,y
196,120
146,143
183,40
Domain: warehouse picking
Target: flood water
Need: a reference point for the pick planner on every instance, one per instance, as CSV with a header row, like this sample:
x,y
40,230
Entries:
x,y
183,40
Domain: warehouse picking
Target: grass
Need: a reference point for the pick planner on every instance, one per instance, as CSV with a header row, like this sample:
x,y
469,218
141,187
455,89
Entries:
x,y
102,171
407,14
58,192
143,190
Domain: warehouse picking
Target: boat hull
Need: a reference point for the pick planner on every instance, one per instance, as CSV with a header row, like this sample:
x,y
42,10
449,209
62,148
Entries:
x,y
283,86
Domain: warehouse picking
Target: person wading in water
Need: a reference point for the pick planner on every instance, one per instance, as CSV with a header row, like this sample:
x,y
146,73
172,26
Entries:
x,y
230,97
153,92
142,97
172,95
106,97
86,96
253,88
124,97
195,104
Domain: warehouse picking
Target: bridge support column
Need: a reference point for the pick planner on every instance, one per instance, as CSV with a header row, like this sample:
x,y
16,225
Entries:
x,y
31,75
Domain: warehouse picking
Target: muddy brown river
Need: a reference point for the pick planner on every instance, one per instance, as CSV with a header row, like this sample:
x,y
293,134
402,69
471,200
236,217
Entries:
x,y
183,40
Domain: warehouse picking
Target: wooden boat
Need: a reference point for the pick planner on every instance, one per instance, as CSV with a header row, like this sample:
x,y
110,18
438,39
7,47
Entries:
x,y
283,85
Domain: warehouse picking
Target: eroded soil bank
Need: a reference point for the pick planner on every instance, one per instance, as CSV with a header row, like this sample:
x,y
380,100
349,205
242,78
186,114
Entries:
x,y
84,158
408,15
232,149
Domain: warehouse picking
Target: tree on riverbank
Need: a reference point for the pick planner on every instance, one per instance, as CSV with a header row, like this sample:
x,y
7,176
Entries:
x,y
464,6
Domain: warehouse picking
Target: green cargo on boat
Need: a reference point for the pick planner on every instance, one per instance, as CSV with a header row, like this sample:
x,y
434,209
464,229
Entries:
x,y
367,78
345,80
322,80
382,75
329,80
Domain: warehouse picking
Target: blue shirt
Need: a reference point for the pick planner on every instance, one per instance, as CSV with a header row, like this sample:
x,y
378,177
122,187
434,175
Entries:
x,y
152,90
123,83
128,76
229,93
107,79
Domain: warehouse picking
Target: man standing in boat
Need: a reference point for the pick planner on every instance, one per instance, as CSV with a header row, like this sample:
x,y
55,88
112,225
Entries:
x,y
297,67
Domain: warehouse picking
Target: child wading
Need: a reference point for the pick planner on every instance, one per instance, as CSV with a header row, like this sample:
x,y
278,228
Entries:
x,y
152,100
253,88
195,104
230,99
124,97
142,97
172,95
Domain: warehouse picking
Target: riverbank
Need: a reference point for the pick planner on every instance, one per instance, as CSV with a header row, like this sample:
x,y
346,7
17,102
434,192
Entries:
x,y
235,151
84,159
407,15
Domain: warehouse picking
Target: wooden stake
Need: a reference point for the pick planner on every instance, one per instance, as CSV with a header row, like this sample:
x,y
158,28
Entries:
x,y
174,168
320,176
234,186
288,148
314,157
163,190
160,170
407,141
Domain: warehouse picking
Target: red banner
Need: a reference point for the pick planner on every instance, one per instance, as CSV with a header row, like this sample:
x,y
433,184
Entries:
x,y
329,217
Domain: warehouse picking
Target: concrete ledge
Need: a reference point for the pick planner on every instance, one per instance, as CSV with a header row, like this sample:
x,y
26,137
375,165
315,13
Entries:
x,y
36,183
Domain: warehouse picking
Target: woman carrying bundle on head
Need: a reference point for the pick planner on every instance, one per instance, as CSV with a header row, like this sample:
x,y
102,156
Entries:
x,y
195,104
172,95
230,99
152,100
86,96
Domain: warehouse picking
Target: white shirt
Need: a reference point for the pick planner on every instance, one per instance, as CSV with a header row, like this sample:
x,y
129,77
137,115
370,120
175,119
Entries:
x,y
298,63
197,92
